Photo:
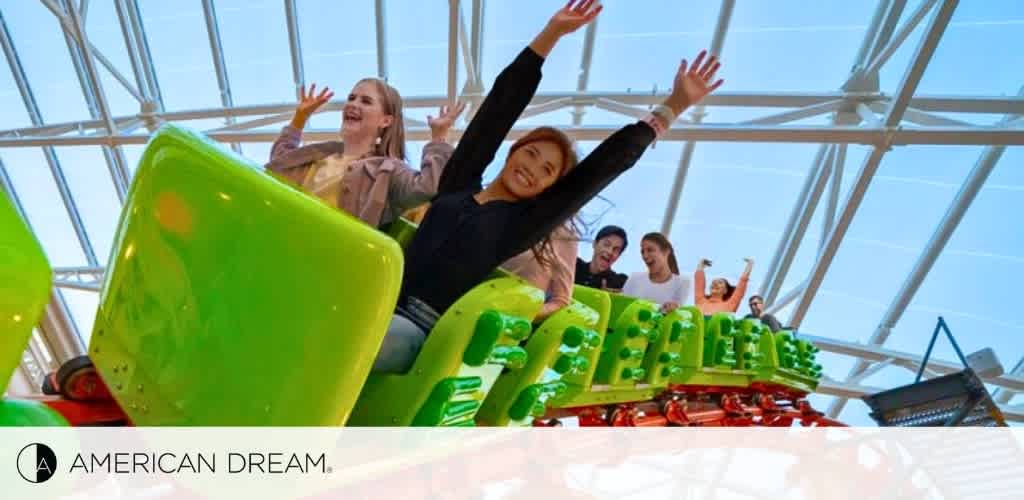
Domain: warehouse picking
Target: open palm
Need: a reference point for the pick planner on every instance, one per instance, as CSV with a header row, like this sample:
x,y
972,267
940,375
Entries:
x,y
693,83
574,15
446,118
310,101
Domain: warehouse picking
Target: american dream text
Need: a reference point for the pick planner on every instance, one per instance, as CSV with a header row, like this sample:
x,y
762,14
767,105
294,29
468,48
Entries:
x,y
199,463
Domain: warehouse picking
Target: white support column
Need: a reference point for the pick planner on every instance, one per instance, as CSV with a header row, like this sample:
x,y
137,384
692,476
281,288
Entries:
x,y
943,232
897,41
453,49
217,51
477,43
936,27
1003,396
295,45
96,98
824,173
142,50
586,60
833,195
717,41
381,25
787,233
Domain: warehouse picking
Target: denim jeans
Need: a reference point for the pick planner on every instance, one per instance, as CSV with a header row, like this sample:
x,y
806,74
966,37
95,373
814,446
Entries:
x,y
405,337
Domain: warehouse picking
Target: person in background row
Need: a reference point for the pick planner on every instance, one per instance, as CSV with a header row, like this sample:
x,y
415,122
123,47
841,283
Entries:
x,y
609,244
365,173
757,312
661,283
550,268
723,297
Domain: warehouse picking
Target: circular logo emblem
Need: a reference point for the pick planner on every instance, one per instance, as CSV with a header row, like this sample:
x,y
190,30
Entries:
x,y
37,463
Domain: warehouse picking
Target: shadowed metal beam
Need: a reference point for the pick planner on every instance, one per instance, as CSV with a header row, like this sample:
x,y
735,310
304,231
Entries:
x,y
585,62
142,50
453,49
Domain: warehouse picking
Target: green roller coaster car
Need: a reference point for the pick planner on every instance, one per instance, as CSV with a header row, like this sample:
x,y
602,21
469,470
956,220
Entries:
x,y
232,298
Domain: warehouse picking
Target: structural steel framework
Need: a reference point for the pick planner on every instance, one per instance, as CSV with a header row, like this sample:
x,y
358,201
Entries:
x,y
857,113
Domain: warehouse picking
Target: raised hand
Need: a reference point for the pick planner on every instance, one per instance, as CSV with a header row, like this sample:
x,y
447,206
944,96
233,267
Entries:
x,y
447,115
693,82
574,15
309,102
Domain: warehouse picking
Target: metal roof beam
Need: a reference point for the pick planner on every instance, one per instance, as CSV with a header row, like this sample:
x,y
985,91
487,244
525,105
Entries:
x,y
922,56
219,66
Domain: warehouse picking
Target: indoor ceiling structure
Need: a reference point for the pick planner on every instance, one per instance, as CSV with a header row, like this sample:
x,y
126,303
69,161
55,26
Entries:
x,y
865,154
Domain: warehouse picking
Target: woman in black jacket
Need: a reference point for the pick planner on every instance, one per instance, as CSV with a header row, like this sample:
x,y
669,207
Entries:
x,y
470,230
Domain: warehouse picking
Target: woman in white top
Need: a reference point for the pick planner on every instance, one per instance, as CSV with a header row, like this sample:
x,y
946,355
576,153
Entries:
x,y
661,283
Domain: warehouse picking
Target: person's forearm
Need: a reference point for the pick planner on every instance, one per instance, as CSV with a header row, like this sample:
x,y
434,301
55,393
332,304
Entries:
x,y
545,41
299,121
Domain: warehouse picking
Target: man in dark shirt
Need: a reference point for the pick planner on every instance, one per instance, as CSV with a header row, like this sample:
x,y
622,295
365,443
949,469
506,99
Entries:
x,y
757,312
611,241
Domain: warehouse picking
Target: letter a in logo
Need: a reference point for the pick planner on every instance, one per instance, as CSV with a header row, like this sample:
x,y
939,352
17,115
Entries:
x,y
37,463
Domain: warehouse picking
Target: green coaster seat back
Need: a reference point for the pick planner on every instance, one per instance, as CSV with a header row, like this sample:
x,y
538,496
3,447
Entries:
x,y
463,355
232,298
25,279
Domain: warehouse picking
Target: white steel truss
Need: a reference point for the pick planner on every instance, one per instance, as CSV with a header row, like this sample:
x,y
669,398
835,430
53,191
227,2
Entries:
x,y
857,113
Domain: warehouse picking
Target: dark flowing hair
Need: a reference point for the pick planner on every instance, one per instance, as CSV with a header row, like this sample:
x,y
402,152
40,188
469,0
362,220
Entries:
x,y
543,250
665,246
729,289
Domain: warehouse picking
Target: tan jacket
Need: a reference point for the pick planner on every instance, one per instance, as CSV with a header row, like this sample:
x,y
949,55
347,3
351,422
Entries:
x,y
557,279
384,188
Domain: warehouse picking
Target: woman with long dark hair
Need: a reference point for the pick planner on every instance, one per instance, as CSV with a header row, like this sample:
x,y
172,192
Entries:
x,y
662,283
723,297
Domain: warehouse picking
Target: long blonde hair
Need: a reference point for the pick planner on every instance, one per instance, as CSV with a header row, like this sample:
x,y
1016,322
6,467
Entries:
x,y
392,139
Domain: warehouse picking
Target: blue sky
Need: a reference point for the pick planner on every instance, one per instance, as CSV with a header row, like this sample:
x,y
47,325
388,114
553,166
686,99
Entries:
x,y
737,196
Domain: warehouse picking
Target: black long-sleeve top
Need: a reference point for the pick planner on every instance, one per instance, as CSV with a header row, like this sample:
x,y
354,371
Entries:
x,y
460,241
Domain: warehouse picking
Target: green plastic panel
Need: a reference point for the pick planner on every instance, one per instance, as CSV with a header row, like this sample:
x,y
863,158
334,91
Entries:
x,y
233,299
402,230
470,345
25,413
25,279
625,345
560,353
664,355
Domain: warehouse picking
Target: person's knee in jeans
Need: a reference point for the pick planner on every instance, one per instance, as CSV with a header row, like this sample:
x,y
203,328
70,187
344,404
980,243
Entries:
x,y
402,343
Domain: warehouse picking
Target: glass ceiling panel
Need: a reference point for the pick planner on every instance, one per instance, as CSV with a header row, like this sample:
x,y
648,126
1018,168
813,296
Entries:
x,y
82,305
503,40
254,36
973,282
39,196
88,177
624,31
39,41
178,41
417,45
735,204
338,44
892,226
12,108
793,45
979,53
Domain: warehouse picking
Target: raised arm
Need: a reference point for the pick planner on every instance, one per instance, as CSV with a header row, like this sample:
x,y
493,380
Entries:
x,y
509,96
619,151
699,285
410,188
741,287
291,134
563,272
